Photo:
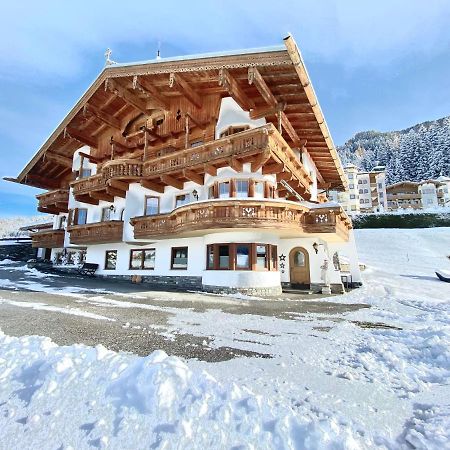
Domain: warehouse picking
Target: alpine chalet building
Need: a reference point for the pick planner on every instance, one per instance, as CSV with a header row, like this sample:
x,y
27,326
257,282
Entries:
x,y
205,172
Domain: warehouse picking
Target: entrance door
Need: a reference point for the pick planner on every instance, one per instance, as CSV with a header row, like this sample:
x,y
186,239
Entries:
x,y
48,254
299,266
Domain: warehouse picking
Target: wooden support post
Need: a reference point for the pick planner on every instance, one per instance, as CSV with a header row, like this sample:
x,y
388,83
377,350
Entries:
x,y
193,176
210,170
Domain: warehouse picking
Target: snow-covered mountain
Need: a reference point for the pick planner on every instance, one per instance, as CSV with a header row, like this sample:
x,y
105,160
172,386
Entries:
x,y
9,227
417,153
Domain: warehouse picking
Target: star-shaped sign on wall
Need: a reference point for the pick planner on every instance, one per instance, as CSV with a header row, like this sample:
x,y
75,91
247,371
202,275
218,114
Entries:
x,y
282,257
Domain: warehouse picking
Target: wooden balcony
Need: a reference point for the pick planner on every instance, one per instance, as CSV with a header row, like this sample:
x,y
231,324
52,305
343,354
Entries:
x,y
284,218
263,147
48,239
96,233
53,202
111,181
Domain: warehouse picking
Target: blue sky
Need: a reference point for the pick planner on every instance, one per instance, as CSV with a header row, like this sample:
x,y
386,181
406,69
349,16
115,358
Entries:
x,y
380,65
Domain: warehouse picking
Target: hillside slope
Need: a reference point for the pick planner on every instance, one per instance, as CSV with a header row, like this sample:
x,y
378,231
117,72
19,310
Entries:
x,y
417,153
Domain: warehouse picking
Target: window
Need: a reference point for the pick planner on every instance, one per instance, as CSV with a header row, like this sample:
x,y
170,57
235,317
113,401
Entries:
x,y
210,257
364,181
352,196
179,258
359,181
106,214
62,222
353,207
261,256
351,186
241,188
84,173
361,200
380,185
367,200
366,191
224,189
181,200
211,192
299,259
80,216
196,143
273,257
242,256
151,206
361,191
142,259
110,260
350,176
259,189
224,257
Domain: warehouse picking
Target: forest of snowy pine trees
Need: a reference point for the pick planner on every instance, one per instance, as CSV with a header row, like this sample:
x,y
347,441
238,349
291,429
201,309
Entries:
x,y
417,153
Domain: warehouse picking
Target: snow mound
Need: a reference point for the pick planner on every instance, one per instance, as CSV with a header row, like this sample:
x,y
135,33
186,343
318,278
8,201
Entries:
x,y
79,397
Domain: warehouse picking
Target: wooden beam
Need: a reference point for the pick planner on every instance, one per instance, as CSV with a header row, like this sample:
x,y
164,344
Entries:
x,y
235,164
210,170
143,85
171,181
197,123
42,181
290,129
255,77
80,137
284,176
101,195
231,85
176,80
116,192
91,158
265,111
85,198
258,162
273,168
126,95
105,118
152,185
59,159
116,184
195,177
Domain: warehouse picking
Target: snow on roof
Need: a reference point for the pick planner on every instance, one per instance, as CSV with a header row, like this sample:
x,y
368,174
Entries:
x,y
274,48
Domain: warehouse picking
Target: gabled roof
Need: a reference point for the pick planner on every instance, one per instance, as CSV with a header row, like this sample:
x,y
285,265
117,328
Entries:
x,y
256,78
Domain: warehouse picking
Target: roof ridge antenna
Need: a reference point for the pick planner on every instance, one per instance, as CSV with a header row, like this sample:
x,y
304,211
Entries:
x,y
158,52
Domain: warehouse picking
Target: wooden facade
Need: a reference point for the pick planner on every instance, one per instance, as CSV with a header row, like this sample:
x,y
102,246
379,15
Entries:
x,y
145,111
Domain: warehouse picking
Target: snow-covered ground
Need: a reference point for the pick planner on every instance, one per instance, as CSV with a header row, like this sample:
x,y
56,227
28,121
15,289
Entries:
x,y
372,378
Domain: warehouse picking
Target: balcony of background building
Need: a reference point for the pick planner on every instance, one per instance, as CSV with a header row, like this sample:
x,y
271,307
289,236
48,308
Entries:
x,y
96,233
53,202
287,218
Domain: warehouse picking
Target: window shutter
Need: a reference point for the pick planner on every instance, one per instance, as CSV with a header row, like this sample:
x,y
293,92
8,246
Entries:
x,y
251,188
232,188
70,217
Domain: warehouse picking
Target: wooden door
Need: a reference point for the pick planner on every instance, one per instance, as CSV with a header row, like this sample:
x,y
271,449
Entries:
x,y
299,266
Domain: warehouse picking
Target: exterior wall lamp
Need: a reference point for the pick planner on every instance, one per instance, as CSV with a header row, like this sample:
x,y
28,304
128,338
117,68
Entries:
x,y
316,247
195,194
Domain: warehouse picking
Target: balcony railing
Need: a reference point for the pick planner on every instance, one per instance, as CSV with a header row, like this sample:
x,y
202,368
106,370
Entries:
x,y
48,239
96,233
198,218
118,169
327,221
258,141
53,202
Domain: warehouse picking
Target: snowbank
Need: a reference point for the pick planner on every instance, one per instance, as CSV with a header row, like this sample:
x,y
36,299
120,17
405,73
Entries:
x,y
80,397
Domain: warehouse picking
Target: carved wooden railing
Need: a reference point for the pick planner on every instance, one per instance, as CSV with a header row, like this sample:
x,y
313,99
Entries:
x,y
251,142
96,233
48,239
242,144
329,220
53,202
118,169
232,214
